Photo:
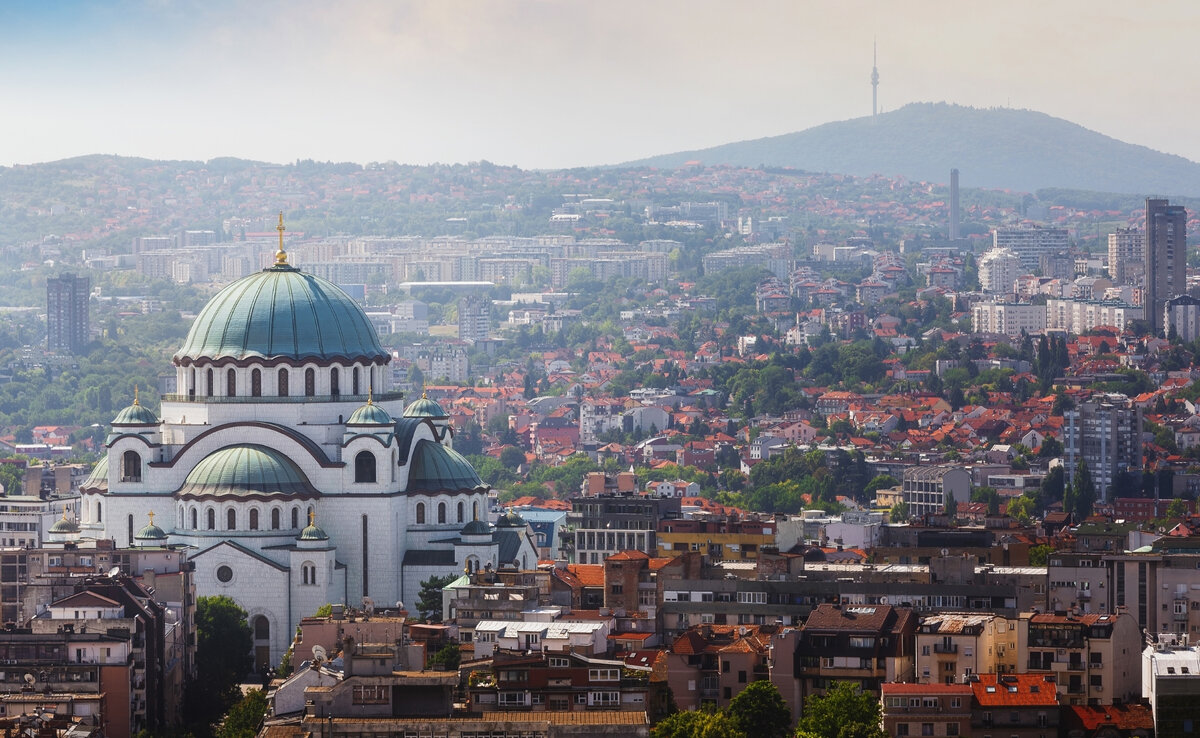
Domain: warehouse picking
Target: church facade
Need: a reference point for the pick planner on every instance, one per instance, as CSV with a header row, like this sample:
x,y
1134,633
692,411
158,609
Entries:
x,y
291,468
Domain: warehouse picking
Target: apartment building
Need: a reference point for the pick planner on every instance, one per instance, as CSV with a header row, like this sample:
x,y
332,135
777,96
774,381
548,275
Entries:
x,y
1090,657
926,710
926,488
567,682
1014,705
952,646
866,644
606,524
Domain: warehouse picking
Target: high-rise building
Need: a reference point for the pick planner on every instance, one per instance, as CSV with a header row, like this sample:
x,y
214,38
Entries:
x,y
67,324
474,318
1127,256
1106,433
1031,243
1166,257
874,81
998,271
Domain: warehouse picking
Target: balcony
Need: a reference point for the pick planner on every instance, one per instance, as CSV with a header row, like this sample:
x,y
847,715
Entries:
x,y
1084,595
945,648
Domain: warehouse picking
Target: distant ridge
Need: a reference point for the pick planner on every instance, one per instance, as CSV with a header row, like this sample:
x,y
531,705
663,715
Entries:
x,y
998,148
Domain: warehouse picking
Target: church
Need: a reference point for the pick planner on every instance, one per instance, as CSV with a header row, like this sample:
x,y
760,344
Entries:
x,y
291,468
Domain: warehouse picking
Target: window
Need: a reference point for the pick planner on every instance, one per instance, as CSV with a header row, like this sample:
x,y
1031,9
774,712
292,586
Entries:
x,y
364,467
283,382
926,729
604,699
231,519
371,694
741,677
441,512
253,519
194,518
334,384
420,513
902,729
210,382
224,574
460,512
860,642
951,728
274,518
256,383
131,467
262,628
308,573
604,675
354,376
231,383
212,519
558,662
295,518
310,382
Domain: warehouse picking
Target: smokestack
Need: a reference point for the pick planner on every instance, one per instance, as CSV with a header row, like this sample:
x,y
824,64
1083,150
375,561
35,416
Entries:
x,y
954,217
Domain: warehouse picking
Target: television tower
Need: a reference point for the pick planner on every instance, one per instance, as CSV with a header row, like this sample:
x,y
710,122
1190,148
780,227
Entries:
x,y
874,80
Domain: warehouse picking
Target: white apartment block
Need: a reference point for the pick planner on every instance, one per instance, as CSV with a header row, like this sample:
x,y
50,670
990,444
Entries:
x,y
1031,243
998,271
1077,316
1008,318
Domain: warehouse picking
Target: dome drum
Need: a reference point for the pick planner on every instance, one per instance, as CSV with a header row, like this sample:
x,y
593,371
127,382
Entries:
x,y
246,472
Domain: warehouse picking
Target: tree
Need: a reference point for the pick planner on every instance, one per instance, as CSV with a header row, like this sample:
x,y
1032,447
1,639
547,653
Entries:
x,y
245,717
1052,488
11,476
951,505
899,512
429,601
1040,555
512,457
223,643
1177,509
1051,448
697,724
1083,491
447,658
759,711
845,711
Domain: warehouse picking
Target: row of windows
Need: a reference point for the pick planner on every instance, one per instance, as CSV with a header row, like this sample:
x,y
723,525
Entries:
x,y
364,467
441,512
210,518
282,382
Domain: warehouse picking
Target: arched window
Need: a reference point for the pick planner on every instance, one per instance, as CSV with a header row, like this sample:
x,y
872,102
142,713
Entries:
x,y
212,519
334,384
99,512
475,510
364,467
262,628
131,467
231,383
256,383
194,521
308,573
130,530
420,513
460,512
310,383
231,519
192,385
210,382
253,519
295,518
283,382
274,518
354,376
441,512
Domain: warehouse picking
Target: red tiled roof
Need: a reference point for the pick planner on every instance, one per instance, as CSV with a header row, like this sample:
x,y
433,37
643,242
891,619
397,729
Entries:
x,y
1015,690
1121,717
589,575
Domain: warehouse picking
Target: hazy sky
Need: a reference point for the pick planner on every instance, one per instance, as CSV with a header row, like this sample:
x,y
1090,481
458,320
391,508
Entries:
x,y
557,83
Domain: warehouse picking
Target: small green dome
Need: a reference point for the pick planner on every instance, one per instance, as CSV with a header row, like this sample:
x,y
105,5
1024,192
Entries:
x,y
424,407
435,468
510,519
64,526
151,532
370,414
98,479
136,414
282,312
246,471
476,528
311,532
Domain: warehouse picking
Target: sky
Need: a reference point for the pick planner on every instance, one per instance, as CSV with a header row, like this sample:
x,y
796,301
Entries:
x,y
563,83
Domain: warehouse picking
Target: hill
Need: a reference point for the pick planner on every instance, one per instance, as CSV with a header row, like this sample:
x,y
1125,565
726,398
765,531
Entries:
x,y
993,148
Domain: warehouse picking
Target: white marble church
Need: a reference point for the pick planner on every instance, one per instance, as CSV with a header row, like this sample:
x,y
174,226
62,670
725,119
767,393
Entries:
x,y
290,467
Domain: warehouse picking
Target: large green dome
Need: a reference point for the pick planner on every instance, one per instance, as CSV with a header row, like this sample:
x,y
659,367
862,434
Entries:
x,y
246,471
436,468
284,313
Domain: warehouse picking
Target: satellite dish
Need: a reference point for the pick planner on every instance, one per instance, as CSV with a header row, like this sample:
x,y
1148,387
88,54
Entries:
x,y
368,605
114,571
399,604
318,653
29,679
945,552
